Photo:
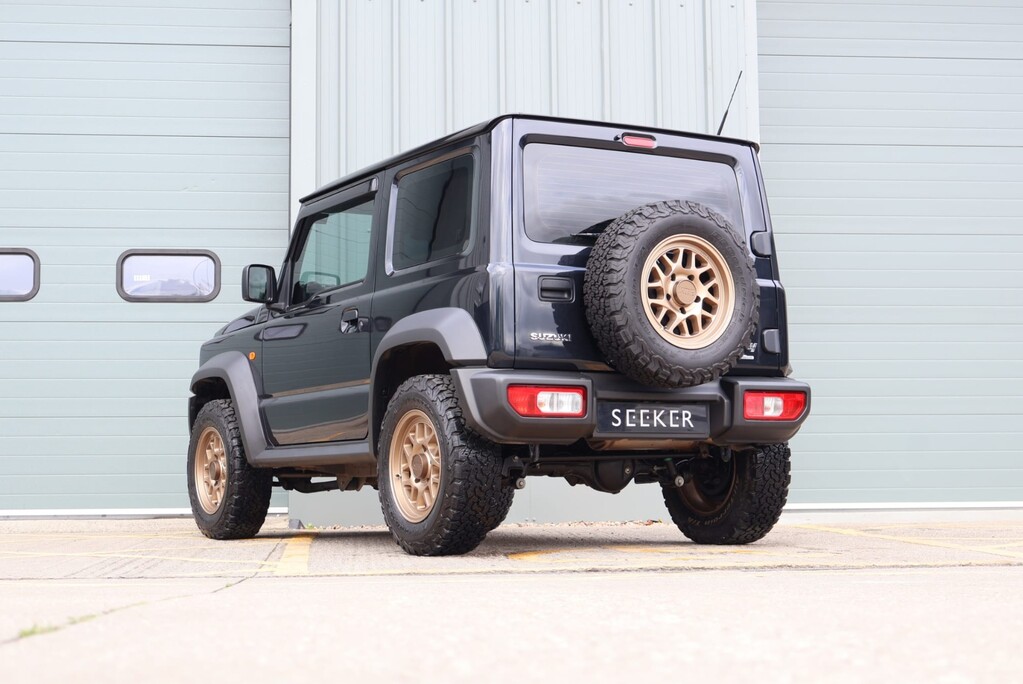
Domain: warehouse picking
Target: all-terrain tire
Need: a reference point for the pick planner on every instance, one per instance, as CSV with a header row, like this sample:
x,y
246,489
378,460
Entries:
x,y
473,498
615,282
246,498
752,506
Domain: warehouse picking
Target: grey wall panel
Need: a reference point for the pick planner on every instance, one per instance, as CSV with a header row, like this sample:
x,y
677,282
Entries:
x,y
127,124
392,75
892,139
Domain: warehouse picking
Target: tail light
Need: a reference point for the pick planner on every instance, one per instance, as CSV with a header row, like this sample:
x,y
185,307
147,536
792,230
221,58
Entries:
x,y
773,405
537,401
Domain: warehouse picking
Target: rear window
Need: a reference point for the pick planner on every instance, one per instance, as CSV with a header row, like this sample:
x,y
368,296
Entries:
x,y
573,193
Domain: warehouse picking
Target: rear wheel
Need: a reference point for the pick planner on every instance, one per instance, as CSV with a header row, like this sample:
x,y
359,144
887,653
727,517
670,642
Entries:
x,y
229,497
440,484
733,502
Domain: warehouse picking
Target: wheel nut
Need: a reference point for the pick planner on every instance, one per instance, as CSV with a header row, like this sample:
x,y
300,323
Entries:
x,y
520,483
679,480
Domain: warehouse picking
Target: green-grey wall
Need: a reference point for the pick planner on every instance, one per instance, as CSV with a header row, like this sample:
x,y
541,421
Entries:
x,y
127,125
893,154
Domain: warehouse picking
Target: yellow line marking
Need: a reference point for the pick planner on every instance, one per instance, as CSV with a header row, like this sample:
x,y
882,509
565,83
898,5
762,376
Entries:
x,y
911,540
295,559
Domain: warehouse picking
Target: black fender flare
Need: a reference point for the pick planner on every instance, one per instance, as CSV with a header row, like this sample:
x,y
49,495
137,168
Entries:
x,y
236,372
451,329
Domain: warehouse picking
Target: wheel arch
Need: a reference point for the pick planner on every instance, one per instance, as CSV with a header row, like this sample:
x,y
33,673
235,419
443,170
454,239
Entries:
x,y
229,375
427,342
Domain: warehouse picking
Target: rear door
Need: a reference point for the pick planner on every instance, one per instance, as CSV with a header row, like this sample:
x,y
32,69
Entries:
x,y
576,179
316,355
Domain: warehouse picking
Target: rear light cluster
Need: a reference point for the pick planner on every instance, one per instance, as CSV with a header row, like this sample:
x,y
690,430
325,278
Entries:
x,y
536,401
773,405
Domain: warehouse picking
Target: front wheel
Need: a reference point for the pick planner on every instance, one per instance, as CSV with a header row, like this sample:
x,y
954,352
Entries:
x,y
733,502
229,497
440,484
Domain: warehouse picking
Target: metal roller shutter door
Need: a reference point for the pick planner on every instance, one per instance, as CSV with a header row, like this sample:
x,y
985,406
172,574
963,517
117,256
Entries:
x,y
127,124
893,153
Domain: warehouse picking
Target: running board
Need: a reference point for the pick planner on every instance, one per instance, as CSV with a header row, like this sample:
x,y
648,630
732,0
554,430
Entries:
x,y
315,455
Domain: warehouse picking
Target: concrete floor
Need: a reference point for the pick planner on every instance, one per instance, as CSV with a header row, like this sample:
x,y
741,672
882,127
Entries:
x,y
900,596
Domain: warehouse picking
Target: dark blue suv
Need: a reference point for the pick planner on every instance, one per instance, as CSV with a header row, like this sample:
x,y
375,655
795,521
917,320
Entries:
x,y
530,296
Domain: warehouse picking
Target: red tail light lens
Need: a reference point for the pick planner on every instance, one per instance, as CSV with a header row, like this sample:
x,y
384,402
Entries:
x,y
536,401
773,405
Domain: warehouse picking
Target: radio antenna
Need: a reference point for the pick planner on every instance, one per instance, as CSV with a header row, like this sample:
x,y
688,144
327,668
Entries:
x,y
725,117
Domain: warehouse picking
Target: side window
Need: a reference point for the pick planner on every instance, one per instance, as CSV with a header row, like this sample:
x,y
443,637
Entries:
x,y
19,275
336,251
433,213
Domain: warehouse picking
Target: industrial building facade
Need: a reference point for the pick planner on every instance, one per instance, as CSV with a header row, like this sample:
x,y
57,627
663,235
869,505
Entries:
x,y
150,150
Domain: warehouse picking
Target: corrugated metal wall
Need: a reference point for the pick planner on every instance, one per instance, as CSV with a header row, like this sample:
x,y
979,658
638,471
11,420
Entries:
x,y
127,124
893,151
391,75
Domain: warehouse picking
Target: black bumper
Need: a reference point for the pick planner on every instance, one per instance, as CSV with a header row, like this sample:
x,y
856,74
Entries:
x,y
483,394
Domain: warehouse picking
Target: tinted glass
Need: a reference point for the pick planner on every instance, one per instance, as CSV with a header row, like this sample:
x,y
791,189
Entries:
x,y
433,217
336,251
170,276
17,276
572,193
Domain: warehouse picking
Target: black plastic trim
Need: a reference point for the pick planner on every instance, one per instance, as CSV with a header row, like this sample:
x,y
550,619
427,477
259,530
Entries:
x,y
36,274
452,330
760,242
235,370
772,341
483,393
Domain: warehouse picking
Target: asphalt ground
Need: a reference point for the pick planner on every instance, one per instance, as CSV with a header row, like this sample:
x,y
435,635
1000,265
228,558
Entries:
x,y
907,596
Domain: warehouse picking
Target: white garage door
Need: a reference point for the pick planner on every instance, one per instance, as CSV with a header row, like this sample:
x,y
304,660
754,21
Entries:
x,y
893,153
128,124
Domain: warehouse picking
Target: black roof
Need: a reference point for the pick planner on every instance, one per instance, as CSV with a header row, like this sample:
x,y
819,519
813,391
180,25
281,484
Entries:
x,y
484,126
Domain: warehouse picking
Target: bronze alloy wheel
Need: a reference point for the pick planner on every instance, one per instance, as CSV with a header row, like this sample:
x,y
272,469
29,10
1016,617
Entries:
x,y
688,295
415,460
210,470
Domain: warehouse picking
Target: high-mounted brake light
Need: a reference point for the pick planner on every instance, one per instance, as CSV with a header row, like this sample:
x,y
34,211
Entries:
x,y
773,405
535,401
648,142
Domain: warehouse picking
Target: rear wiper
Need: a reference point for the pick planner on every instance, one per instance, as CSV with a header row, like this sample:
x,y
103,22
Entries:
x,y
595,230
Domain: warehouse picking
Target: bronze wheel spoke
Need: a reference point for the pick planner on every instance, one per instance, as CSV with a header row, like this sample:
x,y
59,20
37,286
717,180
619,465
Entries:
x,y
210,470
693,310
415,456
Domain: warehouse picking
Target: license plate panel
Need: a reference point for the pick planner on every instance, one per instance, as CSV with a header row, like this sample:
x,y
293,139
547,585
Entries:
x,y
673,421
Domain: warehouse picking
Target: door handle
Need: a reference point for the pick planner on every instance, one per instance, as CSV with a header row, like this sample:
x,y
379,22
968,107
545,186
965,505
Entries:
x,y
349,321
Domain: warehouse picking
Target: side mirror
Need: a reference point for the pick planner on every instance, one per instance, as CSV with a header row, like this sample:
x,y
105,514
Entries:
x,y
259,284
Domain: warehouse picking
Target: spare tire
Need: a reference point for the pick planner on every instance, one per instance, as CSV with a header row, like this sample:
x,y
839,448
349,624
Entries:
x,y
671,294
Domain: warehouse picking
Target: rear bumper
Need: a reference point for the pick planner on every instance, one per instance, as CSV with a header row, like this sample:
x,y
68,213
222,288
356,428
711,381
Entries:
x,y
483,394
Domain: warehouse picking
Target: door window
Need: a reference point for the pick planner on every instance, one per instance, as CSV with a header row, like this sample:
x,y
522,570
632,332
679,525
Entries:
x,y
336,251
